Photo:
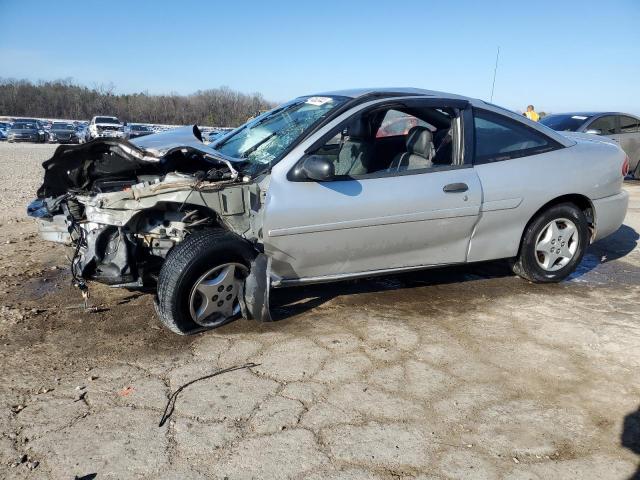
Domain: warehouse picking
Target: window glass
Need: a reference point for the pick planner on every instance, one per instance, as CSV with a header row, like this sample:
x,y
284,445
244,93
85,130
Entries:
x,y
629,125
606,125
564,123
500,138
107,120
399,123
402,143
62,126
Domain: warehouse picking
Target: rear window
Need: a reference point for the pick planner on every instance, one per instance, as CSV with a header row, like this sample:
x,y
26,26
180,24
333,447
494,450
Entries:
x,y
107,120
399,123
564,123
62,126
24,126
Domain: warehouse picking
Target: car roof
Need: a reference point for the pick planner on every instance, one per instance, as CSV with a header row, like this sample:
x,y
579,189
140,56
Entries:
x,y
593,114
391,91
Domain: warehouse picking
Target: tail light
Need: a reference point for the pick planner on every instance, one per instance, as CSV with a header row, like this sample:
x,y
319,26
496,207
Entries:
x,y
625,167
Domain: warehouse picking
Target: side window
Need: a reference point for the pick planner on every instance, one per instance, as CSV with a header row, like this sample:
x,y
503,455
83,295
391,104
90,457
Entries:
x,y
399,123
390,142
499,138
629,125
606,125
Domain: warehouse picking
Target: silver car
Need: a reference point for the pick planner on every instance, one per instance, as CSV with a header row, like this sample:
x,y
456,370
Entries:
x,y
328,187
621,127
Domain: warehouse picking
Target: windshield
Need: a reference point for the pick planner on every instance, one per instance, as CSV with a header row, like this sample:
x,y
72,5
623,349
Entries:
x,y
107,120
564,123
24,126
262,141
62,126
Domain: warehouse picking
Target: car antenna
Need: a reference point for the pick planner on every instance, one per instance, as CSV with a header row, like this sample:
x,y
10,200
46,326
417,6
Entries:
x,y
495,71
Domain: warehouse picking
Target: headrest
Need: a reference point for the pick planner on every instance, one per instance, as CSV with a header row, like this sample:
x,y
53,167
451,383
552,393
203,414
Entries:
x,y
359,128
420,141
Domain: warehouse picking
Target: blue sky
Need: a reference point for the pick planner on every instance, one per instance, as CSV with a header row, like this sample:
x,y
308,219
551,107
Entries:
x,y
558,55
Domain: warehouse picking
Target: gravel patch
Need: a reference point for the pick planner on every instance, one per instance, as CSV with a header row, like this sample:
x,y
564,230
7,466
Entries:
x,y
20,175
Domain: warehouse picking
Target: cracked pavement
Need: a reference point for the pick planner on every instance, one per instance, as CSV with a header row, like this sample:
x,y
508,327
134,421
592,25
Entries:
x,y
467,372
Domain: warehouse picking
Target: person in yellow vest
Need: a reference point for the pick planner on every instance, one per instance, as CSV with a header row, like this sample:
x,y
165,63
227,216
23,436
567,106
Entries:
x,y
531,114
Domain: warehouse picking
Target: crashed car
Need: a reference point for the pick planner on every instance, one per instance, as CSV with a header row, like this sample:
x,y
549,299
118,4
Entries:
x,y
106,127
309,192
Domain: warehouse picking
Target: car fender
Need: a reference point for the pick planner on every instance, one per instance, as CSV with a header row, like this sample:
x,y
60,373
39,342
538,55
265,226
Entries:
x,y
255,291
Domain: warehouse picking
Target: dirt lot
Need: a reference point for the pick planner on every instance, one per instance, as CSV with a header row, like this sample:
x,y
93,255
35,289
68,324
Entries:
x,y
459,373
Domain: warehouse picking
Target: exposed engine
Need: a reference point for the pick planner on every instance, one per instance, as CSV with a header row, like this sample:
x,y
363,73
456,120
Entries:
x,y
122,208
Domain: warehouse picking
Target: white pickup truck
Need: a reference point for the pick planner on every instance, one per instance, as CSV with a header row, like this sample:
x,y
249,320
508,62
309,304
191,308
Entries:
x,y
102,126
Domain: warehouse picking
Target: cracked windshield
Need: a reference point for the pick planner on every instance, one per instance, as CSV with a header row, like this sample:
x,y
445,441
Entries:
x,y
263,140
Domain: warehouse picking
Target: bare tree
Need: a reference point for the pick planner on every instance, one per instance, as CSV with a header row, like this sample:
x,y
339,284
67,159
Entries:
x,y
222,107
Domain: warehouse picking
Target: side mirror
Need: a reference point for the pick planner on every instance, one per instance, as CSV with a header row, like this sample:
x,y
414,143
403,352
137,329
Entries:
x,y
594,131
315,167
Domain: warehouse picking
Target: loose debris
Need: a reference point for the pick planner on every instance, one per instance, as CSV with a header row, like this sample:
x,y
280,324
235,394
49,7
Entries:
x,y
171,403
125,392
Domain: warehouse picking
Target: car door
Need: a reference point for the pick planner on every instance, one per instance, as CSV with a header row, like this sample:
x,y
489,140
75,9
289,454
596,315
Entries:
x,y
372,223
628,137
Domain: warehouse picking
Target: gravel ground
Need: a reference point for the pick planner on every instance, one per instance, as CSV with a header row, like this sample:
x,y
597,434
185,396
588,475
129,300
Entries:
x,y
21,175
458,373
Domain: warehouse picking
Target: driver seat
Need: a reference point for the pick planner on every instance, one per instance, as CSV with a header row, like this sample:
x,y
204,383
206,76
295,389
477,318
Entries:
x,y
356,152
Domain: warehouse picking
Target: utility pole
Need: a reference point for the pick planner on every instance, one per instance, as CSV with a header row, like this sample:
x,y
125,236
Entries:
x,y
495,71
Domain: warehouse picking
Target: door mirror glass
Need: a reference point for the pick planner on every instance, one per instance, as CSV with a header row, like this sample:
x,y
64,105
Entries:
x,y
594,131
315,167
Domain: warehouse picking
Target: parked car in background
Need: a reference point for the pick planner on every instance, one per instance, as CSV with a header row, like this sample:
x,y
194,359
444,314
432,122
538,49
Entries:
x,y
63,132
621,127
82,132
4,127
26,131
309,192
102,126
136,131
40,124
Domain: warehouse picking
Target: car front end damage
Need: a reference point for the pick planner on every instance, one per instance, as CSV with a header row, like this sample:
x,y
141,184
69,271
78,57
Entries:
x,y
122,207
107,130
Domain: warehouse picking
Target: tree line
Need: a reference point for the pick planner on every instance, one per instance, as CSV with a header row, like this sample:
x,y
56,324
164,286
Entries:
x,y
221,107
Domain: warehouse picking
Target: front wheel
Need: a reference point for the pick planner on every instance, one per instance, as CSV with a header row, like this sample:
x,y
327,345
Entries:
x,y
201,281
553,244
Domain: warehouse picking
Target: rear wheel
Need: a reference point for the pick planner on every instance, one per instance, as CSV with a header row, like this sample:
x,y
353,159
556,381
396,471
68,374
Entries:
x,y
200,281
553,244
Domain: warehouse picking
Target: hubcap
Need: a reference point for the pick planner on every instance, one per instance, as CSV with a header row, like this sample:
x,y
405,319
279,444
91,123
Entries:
x,y
214,297
557,244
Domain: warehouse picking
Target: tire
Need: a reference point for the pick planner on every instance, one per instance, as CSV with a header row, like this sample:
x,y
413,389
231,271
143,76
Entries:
x,y
183,271
540,236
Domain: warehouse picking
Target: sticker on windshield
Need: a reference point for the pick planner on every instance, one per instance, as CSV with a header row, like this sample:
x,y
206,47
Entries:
x,y
579,117
317,101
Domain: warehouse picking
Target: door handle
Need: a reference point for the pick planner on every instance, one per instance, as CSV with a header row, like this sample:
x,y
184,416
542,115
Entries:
x,y
455,188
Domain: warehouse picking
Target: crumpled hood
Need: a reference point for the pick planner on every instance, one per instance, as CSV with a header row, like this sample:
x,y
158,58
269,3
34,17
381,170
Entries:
x,y
158,144
76,167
